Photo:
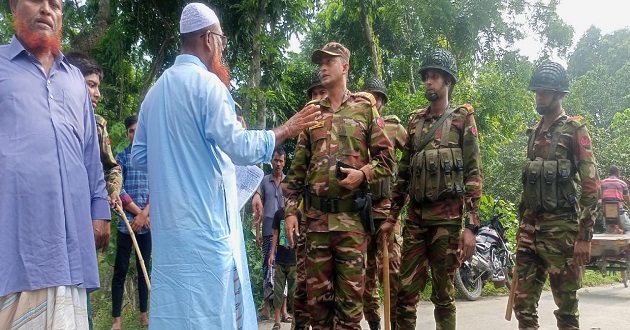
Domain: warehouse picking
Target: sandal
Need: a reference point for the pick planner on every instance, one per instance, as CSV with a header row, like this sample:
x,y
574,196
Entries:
x,y
276,326
287,319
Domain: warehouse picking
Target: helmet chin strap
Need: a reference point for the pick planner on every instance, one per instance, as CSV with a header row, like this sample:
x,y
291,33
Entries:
x,y
432,96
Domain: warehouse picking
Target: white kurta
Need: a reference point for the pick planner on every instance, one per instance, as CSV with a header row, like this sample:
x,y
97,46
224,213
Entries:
x,y
185,121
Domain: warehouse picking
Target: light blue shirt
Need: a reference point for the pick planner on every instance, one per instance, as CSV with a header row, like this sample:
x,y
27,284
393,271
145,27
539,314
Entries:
x,y
51,176
185,122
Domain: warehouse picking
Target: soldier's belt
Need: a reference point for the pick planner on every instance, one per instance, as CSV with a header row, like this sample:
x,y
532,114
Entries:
x,y
333,205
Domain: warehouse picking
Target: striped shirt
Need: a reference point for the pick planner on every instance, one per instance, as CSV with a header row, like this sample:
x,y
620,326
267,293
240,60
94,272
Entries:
x,y
613,189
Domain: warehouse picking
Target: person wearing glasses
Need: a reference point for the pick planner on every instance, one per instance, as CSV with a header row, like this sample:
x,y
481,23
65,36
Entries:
x,y
189,140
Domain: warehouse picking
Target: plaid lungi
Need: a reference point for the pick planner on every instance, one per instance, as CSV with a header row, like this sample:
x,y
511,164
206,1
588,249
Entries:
x,y
56,308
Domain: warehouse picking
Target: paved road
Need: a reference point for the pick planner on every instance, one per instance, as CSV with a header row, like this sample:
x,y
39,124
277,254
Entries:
x,y
601,308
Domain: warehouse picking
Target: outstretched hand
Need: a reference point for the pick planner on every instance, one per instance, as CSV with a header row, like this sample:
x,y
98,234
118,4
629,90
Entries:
x,y
299,122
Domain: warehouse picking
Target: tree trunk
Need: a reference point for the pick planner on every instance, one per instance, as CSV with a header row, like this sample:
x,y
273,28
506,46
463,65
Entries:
x,y
155,67
369,36
86,40
255,70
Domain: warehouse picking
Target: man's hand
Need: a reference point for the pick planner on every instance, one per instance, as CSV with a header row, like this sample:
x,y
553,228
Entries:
x,y
258,239
270,260
101,233
140,221
466,246
114,199
385,230
582,252
257,207
299,122
353,180
291,227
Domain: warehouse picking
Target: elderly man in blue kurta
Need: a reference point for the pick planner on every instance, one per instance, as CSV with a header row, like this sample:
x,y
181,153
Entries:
x,y
53,201
189,139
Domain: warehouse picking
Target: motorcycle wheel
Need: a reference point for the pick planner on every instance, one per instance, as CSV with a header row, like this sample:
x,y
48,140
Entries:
x,y
465,281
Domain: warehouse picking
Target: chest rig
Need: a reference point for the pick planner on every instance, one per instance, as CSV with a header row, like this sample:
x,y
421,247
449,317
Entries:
x,y
549,184
436,173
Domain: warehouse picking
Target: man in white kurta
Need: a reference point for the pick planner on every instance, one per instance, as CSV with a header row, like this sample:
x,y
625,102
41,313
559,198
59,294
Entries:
x,y
189,140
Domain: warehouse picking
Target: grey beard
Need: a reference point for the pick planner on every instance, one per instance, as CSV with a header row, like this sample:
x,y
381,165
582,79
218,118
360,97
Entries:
x,y
431,96
543,109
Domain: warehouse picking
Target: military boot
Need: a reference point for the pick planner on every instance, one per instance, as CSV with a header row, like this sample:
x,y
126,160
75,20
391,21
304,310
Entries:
x,y
375,325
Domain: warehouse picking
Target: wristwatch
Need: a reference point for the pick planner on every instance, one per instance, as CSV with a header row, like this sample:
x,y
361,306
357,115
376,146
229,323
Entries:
x,y
472,228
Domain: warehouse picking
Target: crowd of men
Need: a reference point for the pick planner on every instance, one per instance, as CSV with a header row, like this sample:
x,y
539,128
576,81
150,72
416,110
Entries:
x,y
325,224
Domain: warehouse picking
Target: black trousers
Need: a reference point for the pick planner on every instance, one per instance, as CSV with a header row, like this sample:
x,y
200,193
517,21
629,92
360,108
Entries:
x,y
124,246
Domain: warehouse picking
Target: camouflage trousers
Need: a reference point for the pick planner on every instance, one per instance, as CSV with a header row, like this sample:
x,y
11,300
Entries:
x,y
434,246
300,309
375,265
540,253
335,274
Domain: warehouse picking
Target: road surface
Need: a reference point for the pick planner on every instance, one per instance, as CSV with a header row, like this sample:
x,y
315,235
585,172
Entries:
x,y
601,308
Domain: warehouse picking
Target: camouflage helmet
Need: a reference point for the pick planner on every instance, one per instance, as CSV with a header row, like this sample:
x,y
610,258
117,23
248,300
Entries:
x,y
314,82
550,76
375,85
442,60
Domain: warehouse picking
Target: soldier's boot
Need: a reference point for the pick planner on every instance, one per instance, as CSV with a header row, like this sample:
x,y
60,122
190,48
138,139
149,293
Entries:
x,y
375,325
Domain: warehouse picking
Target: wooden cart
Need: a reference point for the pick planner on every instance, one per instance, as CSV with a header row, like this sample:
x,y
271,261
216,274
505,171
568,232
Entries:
x,y
611,253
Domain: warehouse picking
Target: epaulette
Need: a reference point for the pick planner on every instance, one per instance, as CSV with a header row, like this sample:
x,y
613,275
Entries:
x,y
100,120
392,119
367,96
468,108
576,121
530,130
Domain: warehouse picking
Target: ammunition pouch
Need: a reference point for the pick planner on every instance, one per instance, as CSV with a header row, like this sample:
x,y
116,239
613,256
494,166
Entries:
x,y
437,174
548,185
382,188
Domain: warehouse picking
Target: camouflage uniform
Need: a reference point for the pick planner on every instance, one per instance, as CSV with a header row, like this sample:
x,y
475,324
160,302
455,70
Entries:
x,y
336,242
113,171
432,228
398,135
546,238
301,315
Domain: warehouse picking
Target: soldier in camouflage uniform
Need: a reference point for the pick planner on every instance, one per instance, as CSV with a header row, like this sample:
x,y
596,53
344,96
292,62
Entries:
x,y
555,229
381,195
443,179
349,130
93,75
315,92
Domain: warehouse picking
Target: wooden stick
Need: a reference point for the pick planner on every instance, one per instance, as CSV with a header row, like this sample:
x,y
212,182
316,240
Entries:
x,y
386,303
510,304
121,213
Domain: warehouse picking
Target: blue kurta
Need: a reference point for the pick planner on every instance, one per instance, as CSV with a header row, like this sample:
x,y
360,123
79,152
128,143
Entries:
x,y
51,177
185,121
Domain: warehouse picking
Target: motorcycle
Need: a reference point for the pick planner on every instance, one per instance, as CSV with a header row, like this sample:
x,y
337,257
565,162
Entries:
x,y
492,261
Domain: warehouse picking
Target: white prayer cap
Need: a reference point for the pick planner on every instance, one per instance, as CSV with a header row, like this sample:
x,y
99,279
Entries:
x,y
196,16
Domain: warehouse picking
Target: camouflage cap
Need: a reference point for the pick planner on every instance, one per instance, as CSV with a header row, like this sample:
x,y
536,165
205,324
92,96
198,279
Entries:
x,y
331,49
